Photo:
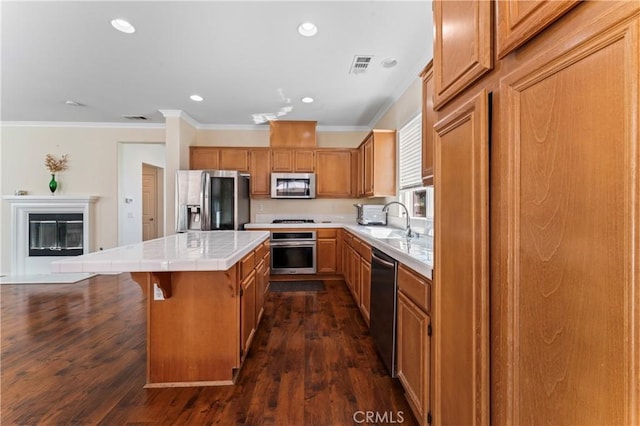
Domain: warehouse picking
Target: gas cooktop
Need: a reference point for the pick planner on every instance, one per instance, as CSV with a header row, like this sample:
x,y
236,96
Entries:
x,y
293,221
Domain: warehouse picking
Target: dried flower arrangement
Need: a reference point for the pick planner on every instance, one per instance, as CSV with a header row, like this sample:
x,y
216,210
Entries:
x,y
55,165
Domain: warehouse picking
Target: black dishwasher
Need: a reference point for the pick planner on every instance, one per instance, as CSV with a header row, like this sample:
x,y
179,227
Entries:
x,y
384,271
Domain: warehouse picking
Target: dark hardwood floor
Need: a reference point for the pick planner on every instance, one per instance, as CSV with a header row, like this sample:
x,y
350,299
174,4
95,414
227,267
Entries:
x,y
75,354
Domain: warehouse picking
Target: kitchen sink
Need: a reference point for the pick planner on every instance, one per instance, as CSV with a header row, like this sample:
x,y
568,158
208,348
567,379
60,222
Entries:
x,y
385,233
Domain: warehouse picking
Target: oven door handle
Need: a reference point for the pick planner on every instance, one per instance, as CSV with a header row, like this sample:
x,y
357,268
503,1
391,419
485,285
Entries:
x,y
292,243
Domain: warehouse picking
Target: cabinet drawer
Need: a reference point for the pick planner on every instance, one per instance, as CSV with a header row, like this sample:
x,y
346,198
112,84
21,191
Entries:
x,y
247,264
415,286
326,233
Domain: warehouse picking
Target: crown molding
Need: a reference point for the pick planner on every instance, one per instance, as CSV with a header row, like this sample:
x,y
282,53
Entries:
x,y
178,113
96,125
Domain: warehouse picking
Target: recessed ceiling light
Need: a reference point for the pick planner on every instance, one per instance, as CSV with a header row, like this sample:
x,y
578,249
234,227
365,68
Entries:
x,y
196,98
73,103
389,63
307,99
307,29
123,26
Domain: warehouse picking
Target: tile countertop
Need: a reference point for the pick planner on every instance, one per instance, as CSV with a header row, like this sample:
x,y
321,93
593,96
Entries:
x,y
191,251
417,254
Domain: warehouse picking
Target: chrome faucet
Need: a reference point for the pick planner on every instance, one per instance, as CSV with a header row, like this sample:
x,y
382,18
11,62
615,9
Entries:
x,y
408,231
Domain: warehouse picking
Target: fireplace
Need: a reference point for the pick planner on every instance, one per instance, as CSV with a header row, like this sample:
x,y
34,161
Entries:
x,y
55,234
48,228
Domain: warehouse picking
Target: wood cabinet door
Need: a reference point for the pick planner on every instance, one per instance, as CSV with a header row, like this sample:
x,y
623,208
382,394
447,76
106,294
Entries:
x,y
461,286
326,256
413,355
333,178
282,160
570,304
367,167
234,159
365,289
260,170
520,20
261,286
462,46
304,161
248,312
354,267
204,157
427,124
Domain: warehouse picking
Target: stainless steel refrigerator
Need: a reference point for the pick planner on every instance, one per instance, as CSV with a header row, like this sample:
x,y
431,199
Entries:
x,y
208,200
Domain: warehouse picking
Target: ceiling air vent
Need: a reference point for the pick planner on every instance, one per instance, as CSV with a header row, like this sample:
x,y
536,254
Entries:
x,y
135,117
360,64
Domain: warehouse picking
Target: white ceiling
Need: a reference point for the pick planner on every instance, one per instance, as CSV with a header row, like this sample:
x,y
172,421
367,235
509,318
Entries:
x,y
242,57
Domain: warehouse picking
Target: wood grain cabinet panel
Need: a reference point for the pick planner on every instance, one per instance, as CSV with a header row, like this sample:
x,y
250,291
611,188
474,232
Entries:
x,y
571,344
413,356
260,170
234,159
520,20
204,157
379,163
248,312
293,160
327,249
462,46
461,285
333,169
365,288
427,124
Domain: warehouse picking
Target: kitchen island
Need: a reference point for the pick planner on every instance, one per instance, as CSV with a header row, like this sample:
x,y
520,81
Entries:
x,y
204,293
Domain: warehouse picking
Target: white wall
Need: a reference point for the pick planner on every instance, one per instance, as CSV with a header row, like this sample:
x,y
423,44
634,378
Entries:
x,y
93,165
130,159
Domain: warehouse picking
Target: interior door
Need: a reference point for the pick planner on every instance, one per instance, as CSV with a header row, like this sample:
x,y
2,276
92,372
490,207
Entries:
x,y
149,202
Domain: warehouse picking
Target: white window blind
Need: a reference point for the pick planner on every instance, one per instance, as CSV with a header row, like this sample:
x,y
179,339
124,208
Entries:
x,y
410,140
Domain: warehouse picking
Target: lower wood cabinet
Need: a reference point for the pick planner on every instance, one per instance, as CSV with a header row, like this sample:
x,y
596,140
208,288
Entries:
x,y
248,312
365,288
326,251
414,341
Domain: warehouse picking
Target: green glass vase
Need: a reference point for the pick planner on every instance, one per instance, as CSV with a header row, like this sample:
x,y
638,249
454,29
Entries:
x,y
53,185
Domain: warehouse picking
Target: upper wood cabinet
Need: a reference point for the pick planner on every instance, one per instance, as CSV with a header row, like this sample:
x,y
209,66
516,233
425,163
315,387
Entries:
x,y
292,134
427,124
520,20
379,163
461,286
234,159
293,160
204,157
334,177
260,170
219,158
462,46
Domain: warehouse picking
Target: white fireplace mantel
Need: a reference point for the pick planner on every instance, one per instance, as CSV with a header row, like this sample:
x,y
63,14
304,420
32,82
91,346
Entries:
x,y
22,205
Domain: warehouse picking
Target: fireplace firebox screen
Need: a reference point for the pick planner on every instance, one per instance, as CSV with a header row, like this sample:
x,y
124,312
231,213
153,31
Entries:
x,y
55,234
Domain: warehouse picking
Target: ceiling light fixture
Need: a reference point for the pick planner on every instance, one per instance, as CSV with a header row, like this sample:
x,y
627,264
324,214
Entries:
x,y
196,98
123,26
389,63
307,100
307,29
73,103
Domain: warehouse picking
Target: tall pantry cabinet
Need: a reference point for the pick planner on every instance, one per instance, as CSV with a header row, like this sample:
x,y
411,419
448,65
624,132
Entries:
x,y
536,292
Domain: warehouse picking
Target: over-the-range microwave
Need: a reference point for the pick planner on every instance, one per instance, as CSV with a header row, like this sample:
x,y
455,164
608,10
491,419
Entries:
x,y
293,185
